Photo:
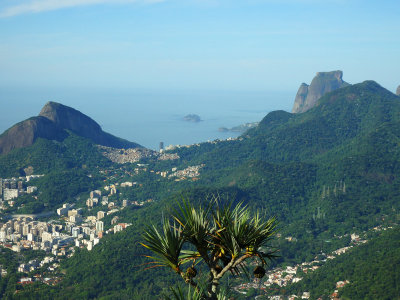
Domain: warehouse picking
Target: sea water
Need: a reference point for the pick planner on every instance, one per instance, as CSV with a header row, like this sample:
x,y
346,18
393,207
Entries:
x,y
149,117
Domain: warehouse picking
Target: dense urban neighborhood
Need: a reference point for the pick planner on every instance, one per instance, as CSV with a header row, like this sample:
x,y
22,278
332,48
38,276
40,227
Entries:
x,y
59,231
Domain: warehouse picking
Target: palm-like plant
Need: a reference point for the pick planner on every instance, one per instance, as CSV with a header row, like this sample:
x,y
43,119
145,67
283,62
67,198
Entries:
x,y
166,245
223,239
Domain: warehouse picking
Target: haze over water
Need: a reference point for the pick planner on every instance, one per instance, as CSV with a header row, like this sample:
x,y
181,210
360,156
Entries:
x,y
142,64
148,117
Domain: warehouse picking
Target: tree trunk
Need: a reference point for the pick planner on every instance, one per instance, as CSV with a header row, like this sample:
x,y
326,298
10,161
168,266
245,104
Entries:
x,y
212,292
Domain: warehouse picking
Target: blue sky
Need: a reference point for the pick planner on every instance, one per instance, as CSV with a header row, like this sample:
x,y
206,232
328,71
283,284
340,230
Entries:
x,y
254,45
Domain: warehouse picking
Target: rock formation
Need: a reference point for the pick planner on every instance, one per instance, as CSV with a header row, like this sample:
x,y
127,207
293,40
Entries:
x,y
192,118
52,123
300,99
324,82
71,119
398,91
25,133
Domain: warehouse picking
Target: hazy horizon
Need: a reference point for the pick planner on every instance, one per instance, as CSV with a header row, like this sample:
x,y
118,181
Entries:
x,y
87,53
149,117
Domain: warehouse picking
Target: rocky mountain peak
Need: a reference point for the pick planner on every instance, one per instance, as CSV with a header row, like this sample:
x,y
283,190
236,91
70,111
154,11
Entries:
x,y
69,118
323,82
53,123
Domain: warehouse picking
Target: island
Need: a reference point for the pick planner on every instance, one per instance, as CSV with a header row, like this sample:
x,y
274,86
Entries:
x,y
192,118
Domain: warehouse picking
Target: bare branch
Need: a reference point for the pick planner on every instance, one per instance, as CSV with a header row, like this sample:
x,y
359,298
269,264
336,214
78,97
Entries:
x,y
232,264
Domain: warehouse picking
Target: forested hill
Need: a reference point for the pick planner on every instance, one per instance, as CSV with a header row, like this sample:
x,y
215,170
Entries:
x,y
325,173
340,118
372,271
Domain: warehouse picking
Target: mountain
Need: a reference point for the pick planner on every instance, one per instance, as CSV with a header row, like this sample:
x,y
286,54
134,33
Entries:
x,y
340,118
325,173
53,122
25,133
398,91
324,82
71,119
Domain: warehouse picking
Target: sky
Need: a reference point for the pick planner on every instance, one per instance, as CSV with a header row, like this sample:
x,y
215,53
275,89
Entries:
x,y
119,61
253,45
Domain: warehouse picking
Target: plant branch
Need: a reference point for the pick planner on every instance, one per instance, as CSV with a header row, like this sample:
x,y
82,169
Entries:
x,y
232,264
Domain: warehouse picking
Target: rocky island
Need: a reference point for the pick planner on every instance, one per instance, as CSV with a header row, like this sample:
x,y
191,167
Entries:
x,y
192,118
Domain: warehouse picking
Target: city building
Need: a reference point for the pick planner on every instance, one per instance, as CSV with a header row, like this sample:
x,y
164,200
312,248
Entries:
x,y
104,200
76,231
63,211
76,219
47,236
117,228
9,194
100,215
99,226
89,202
74,212
31,189
95,194
90,245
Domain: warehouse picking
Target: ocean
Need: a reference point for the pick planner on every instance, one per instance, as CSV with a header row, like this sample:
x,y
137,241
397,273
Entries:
x,y
149,117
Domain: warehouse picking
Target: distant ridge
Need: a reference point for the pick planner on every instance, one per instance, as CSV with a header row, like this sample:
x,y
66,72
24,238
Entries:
x,y
398,91
52,123
324,82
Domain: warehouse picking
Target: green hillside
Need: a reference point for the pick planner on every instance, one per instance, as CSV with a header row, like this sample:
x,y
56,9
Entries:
x,y
330,171
373,272
50,155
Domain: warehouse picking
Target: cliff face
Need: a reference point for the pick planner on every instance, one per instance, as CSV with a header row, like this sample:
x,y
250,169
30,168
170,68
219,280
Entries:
x,y
52,123
26,132
71,119
324,82
300,99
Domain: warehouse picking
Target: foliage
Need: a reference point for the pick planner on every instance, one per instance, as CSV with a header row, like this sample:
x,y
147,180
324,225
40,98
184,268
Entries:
x,y
47,155
195,294
178,294
223,239
372,271
291,166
